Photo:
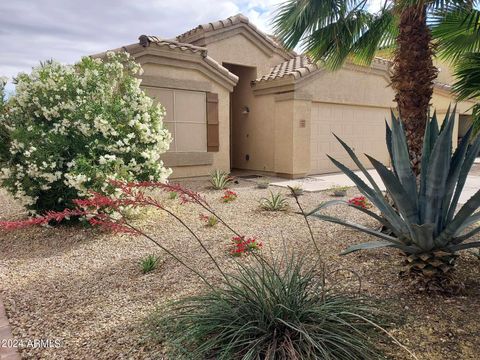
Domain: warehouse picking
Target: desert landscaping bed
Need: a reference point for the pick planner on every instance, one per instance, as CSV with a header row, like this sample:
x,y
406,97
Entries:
x,y
84,288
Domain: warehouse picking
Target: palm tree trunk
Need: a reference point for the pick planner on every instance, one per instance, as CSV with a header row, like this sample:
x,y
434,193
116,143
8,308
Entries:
x,y
412,78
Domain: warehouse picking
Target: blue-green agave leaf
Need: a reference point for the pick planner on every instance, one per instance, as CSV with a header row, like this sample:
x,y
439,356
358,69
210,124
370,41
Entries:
x,y
367,246
463,214
359,164
455,167
401,160
331,203
430,136
469,221
361,228
423,236
388,139
472,153
465,246
398,225
468,235
406,207
437,174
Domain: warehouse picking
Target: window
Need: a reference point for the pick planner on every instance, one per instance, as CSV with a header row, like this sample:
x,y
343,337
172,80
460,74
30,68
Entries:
x,y
185,119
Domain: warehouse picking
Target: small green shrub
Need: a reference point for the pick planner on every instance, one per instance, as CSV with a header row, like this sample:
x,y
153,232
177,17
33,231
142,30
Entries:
x,y
276,202
279,310
220,180
209,220
149,263
339,190
263,184
172,195
296,190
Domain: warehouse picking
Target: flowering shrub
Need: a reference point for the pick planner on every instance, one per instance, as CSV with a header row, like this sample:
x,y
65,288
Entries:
x,y
244,246
229,196
360,201
209,220
73,128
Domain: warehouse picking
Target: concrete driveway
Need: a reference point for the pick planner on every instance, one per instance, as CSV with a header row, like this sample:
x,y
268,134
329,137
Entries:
x,y
325,182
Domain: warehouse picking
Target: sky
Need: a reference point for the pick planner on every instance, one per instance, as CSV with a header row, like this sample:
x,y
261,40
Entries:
x,y
65,30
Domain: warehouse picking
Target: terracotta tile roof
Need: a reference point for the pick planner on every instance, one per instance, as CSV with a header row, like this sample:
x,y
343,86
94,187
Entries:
x,y
145,41
221,24
298,67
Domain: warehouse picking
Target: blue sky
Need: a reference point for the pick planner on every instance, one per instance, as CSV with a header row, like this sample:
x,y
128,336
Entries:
x,y
35,30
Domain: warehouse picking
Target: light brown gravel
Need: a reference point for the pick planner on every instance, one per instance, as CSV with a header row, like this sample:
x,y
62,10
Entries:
x,y
85,287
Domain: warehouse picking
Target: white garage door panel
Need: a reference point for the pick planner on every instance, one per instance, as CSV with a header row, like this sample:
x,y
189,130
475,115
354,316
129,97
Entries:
x,y
362,128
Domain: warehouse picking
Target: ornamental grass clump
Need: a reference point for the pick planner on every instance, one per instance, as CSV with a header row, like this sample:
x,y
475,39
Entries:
x,y
270,310
425,222
72,129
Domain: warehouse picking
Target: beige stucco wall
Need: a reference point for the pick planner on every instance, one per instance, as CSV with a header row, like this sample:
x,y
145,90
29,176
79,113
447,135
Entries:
x,y
221,159
241,49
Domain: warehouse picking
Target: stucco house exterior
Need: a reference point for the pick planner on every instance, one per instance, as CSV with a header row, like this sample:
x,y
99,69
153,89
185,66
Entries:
x,y
236,99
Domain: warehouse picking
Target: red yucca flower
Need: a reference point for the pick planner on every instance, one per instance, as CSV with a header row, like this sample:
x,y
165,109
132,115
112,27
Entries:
x,y
359,201
242,246
49,217
229,195
97,207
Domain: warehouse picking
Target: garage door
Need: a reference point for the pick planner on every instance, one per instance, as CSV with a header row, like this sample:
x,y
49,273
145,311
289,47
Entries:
x,y
362,128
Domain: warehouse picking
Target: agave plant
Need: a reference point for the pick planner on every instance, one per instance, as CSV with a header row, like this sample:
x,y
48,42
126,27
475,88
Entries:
x,y
276,202
424,223
220,180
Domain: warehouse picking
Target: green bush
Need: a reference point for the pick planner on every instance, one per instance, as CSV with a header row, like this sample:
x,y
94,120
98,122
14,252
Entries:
x,y
149,263
220,180
276,202
269,311
73,128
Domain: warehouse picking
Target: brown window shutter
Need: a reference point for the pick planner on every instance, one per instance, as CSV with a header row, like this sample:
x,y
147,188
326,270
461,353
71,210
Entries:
x,y
213,143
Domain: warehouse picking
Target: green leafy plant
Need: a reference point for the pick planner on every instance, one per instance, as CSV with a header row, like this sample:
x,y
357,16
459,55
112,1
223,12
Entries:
x,y
209,220
339,190
172,195
220,180
424,223
278,310
263,184
149,263
297,190
275,202
73,128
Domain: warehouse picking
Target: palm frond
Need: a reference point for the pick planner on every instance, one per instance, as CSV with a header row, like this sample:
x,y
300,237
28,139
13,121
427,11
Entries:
x,y
457,33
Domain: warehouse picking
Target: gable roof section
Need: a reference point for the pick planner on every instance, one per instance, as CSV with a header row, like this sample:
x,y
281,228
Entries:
x,y
301,67
155,50
206,33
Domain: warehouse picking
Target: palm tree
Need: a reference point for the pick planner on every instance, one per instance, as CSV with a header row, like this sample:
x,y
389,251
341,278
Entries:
x,y
336,30
458,34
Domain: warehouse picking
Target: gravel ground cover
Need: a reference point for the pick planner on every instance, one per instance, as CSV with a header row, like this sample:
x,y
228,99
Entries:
x,y
85,288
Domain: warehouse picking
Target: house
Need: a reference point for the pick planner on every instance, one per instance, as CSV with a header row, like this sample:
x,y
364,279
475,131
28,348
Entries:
x,y
236,99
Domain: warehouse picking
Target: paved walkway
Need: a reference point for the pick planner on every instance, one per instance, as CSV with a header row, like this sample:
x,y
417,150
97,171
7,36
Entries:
x,y
325,182
7,352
